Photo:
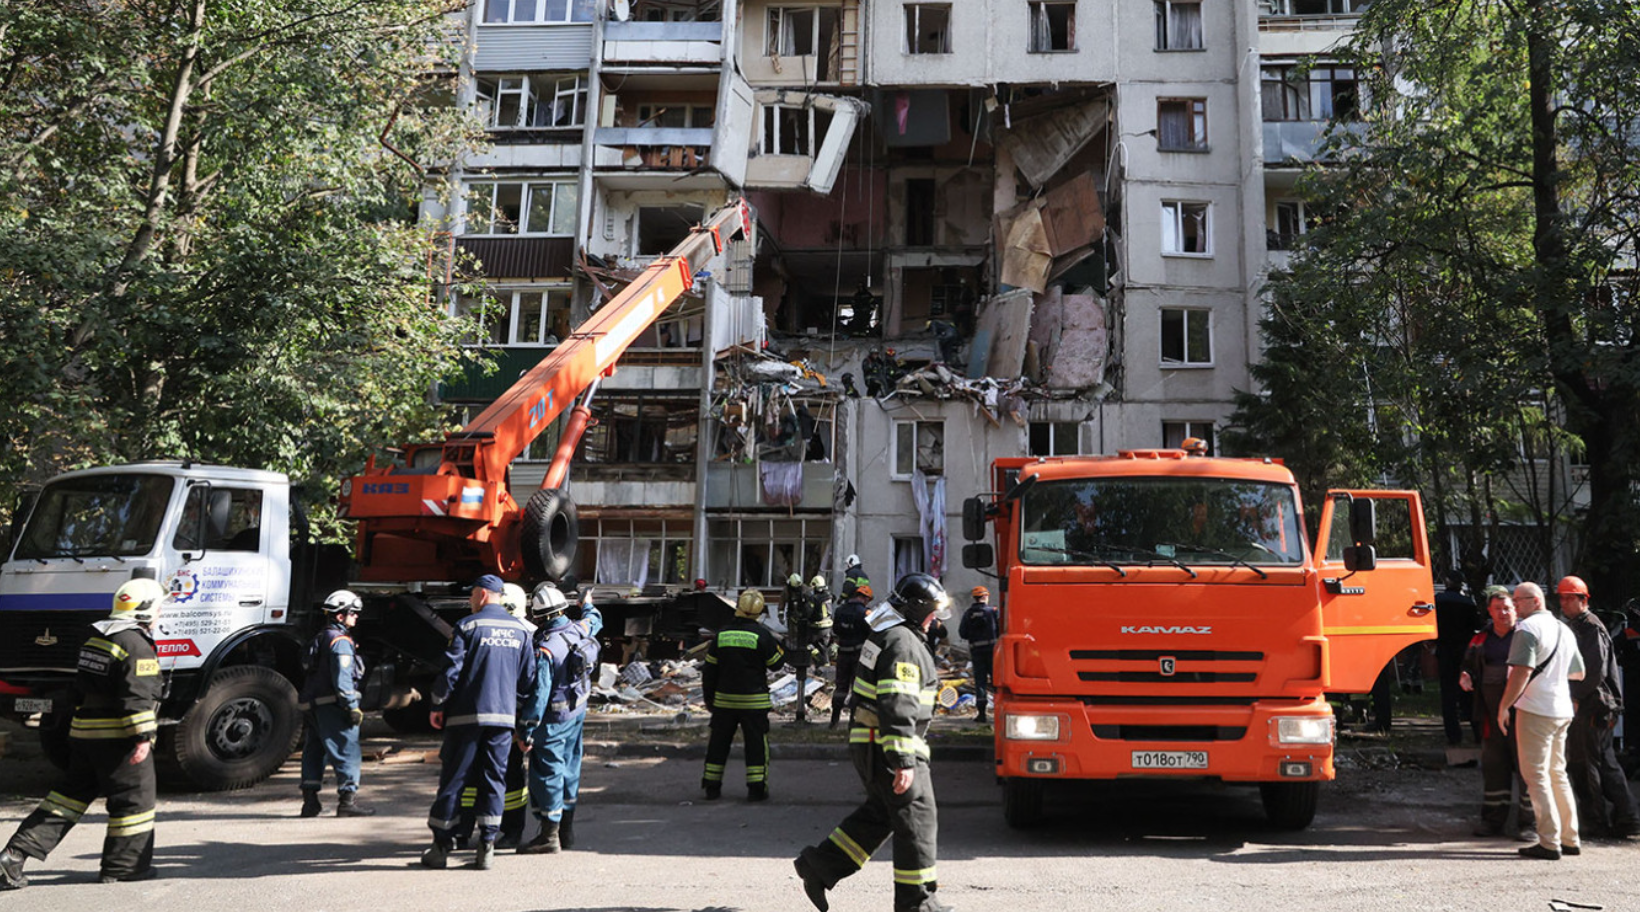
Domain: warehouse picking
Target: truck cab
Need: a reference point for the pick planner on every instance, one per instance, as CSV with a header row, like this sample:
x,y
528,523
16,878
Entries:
x,y
1164,615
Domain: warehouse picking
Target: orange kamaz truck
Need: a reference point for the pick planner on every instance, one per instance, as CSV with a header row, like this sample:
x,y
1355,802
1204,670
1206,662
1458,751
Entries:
x,y
1165,616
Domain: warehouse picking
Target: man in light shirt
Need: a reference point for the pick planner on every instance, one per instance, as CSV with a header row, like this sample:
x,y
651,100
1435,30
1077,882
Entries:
x,y
1543,660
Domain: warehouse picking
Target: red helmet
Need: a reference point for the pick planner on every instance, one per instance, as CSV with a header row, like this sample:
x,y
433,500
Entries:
x,y
1572,585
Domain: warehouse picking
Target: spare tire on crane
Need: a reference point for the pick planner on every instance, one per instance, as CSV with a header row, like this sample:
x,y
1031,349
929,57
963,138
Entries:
x,y
548,534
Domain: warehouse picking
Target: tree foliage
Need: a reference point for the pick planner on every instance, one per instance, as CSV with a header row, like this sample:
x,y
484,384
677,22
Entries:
x,y
1468,303
208,245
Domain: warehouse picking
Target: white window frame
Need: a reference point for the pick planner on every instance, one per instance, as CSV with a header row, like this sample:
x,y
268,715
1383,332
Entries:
x,y
897,446
728,537
913,27
1332,7
536,93
564,196
1056,429
1185,428
691,114
1301,218
1191,316
1194,111
534,12
672,535
1038,24
1166,40
1175,214
504,322
774,44
907,544
773,124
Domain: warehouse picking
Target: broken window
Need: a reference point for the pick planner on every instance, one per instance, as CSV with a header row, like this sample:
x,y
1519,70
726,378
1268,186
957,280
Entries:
x,y
908,555
544,207
793,130
1182,124
661,228
1178,25
636,552
1292,222
918,446
1187,337
761,552
524,11
637,429
928,28
1054,438
792,31
1174,434
1053,27
687,116
919,211
533,102
520,316
1186,228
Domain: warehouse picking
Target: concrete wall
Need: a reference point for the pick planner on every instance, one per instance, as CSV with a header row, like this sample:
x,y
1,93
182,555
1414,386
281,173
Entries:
x,y
990,41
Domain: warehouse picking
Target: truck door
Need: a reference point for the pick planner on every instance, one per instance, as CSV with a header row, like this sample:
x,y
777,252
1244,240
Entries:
x,y
217,570
1370,615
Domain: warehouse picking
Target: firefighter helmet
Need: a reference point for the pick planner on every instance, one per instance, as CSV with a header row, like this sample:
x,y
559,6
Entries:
x,y
864,591
515,600
1572,585
138,600
750,604
341,601
547,602
818,583
980,592
917,595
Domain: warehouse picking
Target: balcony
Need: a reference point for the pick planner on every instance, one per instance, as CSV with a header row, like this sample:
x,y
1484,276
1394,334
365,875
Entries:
x,y
658,44
1295,142
735,486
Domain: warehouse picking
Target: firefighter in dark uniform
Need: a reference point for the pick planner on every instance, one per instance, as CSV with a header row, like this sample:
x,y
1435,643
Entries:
x,y
110,746
854,576
490,665
894,704
851,631
735,683
330,698
555,715
980,628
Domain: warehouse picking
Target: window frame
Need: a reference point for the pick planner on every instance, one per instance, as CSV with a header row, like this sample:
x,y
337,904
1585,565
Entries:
x,y
1174,215
589,8
896,447
912,29
1302,219
773,124
775,32
1190,427
526,196
1164,20
729,537
1194,111
536,92
1055,430
1038,9
1186,361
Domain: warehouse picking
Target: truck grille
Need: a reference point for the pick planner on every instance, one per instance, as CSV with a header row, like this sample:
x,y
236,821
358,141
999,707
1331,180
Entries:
x,y
63,633
1169,732
1152,655
1178,677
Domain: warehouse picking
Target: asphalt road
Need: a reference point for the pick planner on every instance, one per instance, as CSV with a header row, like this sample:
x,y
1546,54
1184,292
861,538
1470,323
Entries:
x,y
1384,840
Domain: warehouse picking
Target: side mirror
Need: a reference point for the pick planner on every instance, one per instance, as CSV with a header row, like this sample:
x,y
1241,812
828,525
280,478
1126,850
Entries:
x,y
977,556
1360,557
1363,521
973,519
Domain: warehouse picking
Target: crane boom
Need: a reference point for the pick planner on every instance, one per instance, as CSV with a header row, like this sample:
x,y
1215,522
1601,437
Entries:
x,y
460,519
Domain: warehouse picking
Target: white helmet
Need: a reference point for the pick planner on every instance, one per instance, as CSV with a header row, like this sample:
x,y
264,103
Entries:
x,y
514,600
547,602
343,600
138,600
853,561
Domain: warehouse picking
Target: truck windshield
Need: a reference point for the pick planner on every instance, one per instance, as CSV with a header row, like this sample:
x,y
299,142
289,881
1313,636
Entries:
x,y
1174,521
96,516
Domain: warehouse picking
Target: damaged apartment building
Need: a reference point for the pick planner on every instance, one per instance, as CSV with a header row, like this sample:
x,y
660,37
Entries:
x,y
985,228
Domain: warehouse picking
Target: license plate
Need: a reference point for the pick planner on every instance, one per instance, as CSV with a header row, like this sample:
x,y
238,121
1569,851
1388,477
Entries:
x,y
28,705
1169,760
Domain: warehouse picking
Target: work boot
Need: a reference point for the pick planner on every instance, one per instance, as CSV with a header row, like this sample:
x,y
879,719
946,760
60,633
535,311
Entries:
x,y
711,790
1538,850
980,719
757,791
545,842
310,803
436,856
11,870
929,904
134,877
485,856
566,829
506,842
813,886
347,807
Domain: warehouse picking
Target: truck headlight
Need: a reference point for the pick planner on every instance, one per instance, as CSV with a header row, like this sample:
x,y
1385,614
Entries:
x,y
1031,728
1303,729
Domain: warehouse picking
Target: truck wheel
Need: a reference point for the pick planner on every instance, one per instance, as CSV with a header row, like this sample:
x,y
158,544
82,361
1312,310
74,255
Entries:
x,y
243,728
1022,802
1289,805
548,534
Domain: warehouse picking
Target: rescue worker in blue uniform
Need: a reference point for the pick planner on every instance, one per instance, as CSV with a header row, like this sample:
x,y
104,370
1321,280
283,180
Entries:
x,y
330,698
851,631
516,601
110,746
489,667
894,692
735,683
980,627
566,655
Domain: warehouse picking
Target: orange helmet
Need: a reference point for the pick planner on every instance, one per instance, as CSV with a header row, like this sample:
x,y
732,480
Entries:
x,y
1572,585
864,591
980,592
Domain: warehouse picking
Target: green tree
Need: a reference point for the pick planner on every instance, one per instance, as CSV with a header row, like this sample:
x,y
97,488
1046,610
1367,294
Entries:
x,y
1481,260
208,245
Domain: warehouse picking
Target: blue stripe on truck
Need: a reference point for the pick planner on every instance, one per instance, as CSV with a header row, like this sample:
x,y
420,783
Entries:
x,y
57,601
